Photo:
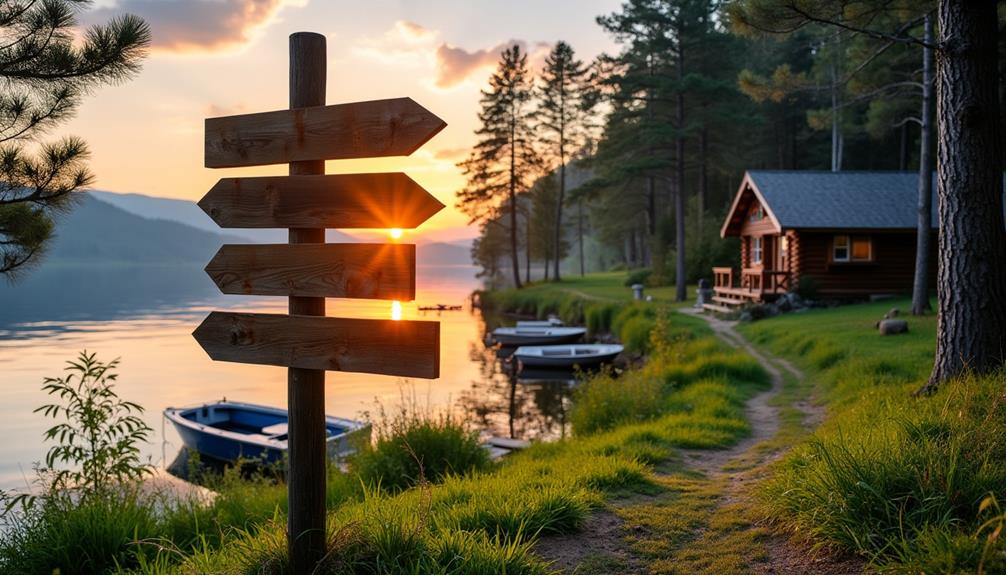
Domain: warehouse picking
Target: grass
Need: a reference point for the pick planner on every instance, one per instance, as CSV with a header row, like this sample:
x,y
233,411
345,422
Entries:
x,y
486,521
899,480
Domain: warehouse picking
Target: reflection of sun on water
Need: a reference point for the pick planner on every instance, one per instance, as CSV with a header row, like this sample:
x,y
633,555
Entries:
x,y
396,310
396,233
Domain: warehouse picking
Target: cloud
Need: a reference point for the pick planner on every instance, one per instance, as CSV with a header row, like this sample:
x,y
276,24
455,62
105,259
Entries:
x,y
413,45
450,153
197,25
455,65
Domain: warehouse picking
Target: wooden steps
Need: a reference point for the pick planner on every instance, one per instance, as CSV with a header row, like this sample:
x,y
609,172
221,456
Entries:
x,y
729,301
717,308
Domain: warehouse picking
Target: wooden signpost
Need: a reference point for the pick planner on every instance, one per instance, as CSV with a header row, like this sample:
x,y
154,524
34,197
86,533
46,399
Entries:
x,y
307,269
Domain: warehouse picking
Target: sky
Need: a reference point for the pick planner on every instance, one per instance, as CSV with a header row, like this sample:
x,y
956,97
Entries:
x,y
221,57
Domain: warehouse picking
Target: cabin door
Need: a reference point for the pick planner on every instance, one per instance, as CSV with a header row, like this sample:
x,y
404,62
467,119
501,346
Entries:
x,y
781,254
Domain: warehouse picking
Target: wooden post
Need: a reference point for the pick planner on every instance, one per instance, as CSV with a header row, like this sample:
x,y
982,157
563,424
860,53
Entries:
x,y
306,387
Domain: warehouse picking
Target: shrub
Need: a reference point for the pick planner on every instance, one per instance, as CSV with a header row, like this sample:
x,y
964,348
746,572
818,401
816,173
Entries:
x,y
640,276
598,317
604,402
413,446
635,334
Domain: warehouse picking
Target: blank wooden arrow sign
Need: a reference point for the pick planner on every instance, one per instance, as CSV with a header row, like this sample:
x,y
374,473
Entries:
x,y
368,271
386,347
390,200
378,128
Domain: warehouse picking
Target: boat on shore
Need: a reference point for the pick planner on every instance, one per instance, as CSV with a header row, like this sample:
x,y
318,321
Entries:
x,y
582,355
517,336
230,430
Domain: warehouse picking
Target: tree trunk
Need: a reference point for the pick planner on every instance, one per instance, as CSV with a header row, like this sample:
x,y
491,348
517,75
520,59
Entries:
x,y
703,177
527,248
972,247
920,287
679,194
558,212
513,204
836,122
579,226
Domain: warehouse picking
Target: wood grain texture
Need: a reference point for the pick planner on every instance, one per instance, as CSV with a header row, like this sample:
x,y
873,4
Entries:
x,y
378,128
386,347
389,200
359,271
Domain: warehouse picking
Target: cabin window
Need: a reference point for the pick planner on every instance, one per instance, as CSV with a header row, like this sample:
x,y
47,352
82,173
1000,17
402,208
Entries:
x,y
852,249
756,250
758,214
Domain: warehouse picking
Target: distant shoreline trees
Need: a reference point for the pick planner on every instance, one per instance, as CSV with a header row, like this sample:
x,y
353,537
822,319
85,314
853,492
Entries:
x,y
46,73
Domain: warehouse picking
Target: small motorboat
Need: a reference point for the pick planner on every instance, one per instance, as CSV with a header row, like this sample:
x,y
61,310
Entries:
x,y
229,430
440,307
550,322
583,355
515,336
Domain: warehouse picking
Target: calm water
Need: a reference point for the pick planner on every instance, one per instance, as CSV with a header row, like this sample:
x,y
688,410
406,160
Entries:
x,y
145,317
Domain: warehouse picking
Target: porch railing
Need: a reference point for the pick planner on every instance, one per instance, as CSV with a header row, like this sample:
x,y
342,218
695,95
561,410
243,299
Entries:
x,y
763,281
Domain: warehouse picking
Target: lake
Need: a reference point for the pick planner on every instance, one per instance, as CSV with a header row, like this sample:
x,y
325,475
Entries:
x,y
145,316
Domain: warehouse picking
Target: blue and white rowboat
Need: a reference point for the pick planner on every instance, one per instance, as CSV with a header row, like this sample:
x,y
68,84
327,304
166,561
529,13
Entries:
x,y
229,430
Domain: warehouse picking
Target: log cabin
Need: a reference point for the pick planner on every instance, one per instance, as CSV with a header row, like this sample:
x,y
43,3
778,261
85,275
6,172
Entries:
x,y
842,234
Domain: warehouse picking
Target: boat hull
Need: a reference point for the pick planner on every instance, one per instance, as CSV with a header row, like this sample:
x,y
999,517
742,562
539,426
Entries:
x,y
532,336
555,358
228,431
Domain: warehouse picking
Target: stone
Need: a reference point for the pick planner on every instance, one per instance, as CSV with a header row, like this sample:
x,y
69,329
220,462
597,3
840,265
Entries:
x,y
745,316
892,314
893,326
783,304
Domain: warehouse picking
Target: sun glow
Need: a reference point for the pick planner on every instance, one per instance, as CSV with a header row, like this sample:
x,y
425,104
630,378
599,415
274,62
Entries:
x,y
396,310
395,233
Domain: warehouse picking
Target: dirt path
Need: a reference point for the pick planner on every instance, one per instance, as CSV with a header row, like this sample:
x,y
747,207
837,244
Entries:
x,y
726,536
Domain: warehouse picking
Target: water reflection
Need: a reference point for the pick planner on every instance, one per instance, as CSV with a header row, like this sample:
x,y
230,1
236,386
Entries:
x,y
145,315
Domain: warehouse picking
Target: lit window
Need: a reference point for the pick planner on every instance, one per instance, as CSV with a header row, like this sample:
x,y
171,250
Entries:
x,y
862,250
840,250
757,214
756,250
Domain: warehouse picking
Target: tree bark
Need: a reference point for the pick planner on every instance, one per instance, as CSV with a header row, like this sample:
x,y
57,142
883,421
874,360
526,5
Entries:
x,y
679,193
513,200
920,286
972,247
703,177
558,210
579,226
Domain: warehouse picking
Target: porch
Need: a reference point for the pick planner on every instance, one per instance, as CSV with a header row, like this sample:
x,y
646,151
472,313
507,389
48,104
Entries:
x,y
752,285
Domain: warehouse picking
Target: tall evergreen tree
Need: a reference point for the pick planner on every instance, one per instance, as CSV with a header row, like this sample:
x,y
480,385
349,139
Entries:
x,y
503,162
565,103
46,71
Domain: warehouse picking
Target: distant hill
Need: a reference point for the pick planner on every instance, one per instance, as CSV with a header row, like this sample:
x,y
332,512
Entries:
x,y
442,253
98,232
188,213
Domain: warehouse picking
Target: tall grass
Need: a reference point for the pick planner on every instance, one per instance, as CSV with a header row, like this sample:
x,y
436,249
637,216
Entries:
x,y
414,445
897,479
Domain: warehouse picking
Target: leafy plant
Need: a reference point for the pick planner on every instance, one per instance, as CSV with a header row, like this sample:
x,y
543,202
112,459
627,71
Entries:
x,y
99,433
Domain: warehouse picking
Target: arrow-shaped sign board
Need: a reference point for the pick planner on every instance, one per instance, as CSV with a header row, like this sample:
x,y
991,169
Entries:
x,y
374,129
364,271
388,200
386,347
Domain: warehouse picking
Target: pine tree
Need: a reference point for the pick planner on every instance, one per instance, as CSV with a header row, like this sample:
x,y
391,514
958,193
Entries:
x,y
46,71
503,162
565,102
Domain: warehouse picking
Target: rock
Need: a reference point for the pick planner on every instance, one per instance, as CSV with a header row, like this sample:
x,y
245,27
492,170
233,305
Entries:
x,y
784,304
745,316
892,314
893,326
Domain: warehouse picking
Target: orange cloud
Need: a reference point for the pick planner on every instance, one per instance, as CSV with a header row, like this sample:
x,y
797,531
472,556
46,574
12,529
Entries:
x,y
197,25
455,65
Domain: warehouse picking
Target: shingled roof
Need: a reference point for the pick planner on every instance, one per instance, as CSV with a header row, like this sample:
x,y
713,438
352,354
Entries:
x,y
837,200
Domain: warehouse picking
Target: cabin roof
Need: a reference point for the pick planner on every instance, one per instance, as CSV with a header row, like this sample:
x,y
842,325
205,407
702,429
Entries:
x,y
831,200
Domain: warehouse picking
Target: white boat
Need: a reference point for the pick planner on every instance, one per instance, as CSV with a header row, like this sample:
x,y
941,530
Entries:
x,y
583,355
515,336
228,430
550,322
